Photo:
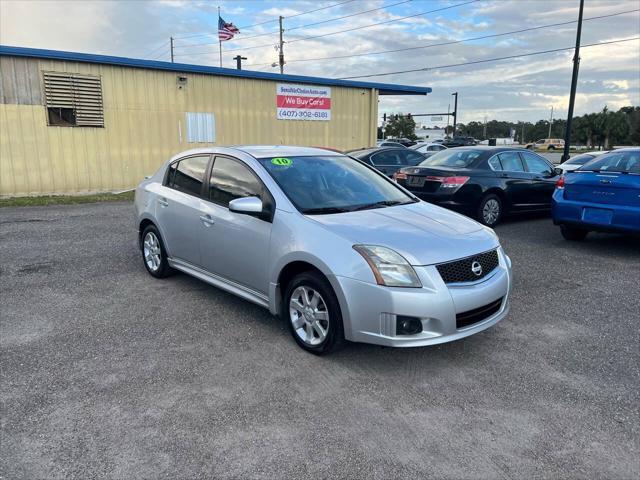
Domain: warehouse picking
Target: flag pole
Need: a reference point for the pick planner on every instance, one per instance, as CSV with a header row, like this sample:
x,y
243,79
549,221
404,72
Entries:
x,y
219,40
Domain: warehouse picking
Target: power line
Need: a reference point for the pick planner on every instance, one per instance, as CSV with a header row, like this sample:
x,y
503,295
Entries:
x,y
424,69
348,16
452,42
163,44
303,26
346,30
195,35
385,22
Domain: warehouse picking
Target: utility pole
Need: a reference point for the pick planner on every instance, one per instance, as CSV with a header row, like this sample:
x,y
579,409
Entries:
x,y
522,139
550,122
281,47
238,59
171,42
574,84
484,134
455,112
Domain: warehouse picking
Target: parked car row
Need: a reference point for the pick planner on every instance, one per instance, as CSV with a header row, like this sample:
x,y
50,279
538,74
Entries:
x,y
341,252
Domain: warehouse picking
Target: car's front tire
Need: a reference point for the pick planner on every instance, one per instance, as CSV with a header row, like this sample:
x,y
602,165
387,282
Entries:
x,y
154,255
312,313
573,234
490,210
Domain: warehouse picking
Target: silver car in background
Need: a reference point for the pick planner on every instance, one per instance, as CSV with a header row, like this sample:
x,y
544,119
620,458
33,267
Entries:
x,y
324,241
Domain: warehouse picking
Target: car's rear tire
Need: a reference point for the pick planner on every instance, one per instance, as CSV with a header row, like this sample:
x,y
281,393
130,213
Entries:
x,y
311,310
573,234
154,254
490,210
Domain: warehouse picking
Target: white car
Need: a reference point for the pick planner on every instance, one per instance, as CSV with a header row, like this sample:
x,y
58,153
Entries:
x,y
428,147
579,160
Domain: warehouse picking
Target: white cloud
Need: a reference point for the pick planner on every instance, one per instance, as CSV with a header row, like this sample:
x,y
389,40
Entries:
x,y
515,89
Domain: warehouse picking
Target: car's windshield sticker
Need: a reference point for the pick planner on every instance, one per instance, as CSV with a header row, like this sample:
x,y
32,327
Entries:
x,y
281,161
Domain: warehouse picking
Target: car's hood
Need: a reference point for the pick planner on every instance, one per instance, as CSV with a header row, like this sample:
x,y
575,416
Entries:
x,y
422,233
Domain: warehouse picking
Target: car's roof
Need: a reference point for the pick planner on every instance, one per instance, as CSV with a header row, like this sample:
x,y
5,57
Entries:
x,y
487,148
267,151
363,152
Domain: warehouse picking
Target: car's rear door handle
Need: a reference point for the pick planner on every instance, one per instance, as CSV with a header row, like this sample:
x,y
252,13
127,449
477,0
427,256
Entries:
x,y
163,202
207,220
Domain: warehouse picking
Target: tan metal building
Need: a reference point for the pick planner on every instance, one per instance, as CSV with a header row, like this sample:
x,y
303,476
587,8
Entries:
x,y
73,123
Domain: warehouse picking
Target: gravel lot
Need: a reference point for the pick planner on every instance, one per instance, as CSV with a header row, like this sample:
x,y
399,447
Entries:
x,y
107,372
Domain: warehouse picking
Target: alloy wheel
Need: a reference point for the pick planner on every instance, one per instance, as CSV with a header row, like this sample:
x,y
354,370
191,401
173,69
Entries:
x,y
309,315
491,211
152,252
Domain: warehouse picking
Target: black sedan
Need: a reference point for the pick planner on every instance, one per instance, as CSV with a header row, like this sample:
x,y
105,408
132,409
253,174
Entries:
x,y
483,182
388,159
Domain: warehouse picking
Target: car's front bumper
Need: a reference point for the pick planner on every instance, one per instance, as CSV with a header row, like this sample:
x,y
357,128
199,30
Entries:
x,y
370,311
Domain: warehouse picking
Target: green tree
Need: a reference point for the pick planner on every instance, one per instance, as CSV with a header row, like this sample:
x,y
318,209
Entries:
x,y
401,126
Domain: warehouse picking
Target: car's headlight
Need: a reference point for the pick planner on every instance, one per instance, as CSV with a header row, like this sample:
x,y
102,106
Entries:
x,y
389,267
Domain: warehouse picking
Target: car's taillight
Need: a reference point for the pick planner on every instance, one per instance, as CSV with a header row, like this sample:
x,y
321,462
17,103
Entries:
x,y
453,182
560,183
399,176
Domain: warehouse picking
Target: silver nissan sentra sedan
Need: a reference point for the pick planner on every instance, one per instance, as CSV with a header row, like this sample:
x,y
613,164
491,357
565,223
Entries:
x,y
326,242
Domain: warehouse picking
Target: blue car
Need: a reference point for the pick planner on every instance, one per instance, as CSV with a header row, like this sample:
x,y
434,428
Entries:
x,y
603,195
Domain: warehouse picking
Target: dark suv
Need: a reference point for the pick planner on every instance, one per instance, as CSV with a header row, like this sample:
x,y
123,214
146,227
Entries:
x,y
460,142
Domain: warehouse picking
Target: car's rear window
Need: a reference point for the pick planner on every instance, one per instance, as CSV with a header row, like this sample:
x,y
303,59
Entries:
x,y
452,158
579,159
624,162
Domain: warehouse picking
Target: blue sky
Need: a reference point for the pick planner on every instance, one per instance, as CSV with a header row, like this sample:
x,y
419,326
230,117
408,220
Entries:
x,y
519,89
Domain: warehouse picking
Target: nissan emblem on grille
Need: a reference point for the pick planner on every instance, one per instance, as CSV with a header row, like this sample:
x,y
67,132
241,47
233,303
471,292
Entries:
x,y
476,268
469,269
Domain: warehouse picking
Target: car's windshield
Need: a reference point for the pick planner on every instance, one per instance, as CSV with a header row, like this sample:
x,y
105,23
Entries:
x,y
580,159
452,158
623,162
333,184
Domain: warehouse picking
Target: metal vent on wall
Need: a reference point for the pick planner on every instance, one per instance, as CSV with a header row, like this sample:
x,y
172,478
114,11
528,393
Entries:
x,y
82,94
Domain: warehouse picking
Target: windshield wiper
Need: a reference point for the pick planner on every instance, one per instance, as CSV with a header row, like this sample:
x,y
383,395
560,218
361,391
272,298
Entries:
x,y
383,203
321,210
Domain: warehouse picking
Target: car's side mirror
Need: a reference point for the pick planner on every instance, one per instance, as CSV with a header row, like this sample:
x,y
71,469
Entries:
x,y
556,171
246,205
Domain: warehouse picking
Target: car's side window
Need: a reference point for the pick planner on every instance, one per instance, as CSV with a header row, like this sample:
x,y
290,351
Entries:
x,y
413,158
187,175
386,158
511,162
230,179
494,163
535,164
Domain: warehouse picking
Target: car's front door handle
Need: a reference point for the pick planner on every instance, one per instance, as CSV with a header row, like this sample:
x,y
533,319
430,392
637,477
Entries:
x,y
163,202
207,220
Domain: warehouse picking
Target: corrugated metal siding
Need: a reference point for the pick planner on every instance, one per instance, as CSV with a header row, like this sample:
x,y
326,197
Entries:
x,y
20,81
144,116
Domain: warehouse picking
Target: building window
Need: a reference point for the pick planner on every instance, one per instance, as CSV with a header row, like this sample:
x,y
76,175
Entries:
x,y
73,100
201,128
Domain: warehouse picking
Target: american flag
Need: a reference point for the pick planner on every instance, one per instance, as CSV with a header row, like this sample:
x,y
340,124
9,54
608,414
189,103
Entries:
x,y
226,31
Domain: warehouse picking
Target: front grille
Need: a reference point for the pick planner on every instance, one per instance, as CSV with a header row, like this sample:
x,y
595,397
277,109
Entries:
x,y
476,315
462,270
